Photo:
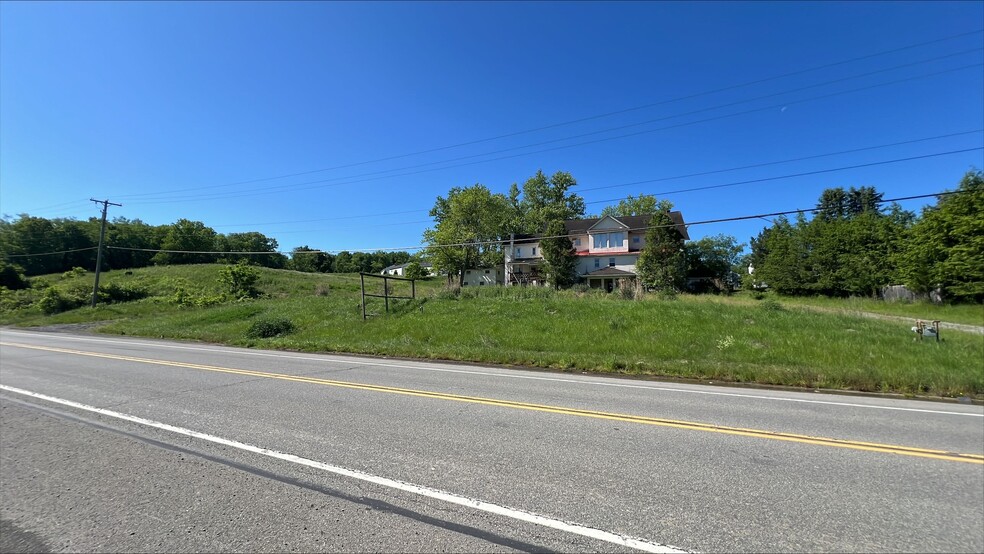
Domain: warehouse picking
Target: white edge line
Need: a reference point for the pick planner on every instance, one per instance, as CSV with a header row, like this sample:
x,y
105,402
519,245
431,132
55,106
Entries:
x,y
344,359
529,517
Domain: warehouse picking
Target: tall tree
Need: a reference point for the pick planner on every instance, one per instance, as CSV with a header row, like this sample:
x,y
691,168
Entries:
x,y
251,242
714,257
309,260
191,242
560,260
946,246
545,199
644,204
662,263
464,224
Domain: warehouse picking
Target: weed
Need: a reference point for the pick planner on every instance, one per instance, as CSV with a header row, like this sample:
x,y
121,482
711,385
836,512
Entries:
x,y
270,327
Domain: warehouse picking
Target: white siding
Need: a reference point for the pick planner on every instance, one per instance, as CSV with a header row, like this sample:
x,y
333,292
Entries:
x,y
483,277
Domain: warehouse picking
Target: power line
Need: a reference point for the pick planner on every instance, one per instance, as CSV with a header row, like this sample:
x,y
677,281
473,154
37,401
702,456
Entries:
x,y
49,253
634,183
805,173
602,115
505,241
297,187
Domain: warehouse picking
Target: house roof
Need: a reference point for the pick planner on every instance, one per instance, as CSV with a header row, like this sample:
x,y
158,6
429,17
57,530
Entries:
x,y
634,222
610,272
399,266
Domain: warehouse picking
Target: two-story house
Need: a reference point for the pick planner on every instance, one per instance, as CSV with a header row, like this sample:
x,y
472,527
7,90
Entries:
x,y
607,249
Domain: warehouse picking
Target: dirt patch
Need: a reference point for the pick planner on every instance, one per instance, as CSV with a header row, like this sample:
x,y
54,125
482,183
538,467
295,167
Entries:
x,y
975,329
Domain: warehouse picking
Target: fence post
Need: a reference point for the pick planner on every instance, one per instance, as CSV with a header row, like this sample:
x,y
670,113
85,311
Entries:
x,y
362,278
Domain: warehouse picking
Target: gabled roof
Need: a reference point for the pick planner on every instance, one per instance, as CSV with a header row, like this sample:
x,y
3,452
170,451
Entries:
x,y
615,219
633,222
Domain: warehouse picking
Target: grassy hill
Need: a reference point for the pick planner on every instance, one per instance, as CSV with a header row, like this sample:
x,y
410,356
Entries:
x,y
736,339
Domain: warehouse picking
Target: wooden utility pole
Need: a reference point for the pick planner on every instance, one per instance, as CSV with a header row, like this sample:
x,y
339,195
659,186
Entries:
x,y
99,253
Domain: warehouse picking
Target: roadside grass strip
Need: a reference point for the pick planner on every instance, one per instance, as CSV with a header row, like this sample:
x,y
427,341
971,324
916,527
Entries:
x,y
646,420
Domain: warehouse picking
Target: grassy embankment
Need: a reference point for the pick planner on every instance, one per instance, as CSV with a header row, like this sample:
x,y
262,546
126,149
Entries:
x,y
736,339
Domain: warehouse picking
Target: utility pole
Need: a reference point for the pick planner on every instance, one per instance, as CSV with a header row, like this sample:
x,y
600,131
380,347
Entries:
x,y
99,253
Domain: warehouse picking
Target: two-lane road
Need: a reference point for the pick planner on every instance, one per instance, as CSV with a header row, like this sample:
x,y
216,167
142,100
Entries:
x,y
131,444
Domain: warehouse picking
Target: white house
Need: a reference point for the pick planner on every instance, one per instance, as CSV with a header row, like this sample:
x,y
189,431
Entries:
x,y
399,269
483,277
607,248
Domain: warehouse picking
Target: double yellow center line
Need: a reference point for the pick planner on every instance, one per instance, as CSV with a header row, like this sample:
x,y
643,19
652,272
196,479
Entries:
x,y
695,426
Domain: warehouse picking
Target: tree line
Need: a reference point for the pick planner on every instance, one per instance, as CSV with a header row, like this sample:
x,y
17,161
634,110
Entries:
x,y
854,246
26,244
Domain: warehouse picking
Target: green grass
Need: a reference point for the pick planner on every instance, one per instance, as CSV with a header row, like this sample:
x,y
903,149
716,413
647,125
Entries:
x,y
732,339
968,314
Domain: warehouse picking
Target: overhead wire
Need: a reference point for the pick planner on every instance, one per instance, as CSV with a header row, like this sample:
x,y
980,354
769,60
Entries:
x,y
645,181
505,241
602,115
297,187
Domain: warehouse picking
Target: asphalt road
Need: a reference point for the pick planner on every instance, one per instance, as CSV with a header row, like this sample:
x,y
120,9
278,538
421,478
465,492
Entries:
x,y
117,444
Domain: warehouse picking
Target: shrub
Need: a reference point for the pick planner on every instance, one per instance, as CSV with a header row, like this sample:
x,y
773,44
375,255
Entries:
x,y
270,327
54,301
771,305
12,276
74,272
240,279
115,292
414,270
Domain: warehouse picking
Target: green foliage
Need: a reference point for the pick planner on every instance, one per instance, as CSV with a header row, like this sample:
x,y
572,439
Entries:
x,y
250,242
187,242
240,280
946,246
714,257
545,199
310,260
74,272
662,263
465,222
559,257
54,300
850,248
414,270
644,204
116,292
12,276
270,327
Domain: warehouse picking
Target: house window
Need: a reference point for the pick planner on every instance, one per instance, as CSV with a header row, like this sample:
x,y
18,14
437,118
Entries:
x,y
534,251
597,263
635,240
577,242
465,284
486,272
615,240
468,272
611,262
481,283
519,252
600,240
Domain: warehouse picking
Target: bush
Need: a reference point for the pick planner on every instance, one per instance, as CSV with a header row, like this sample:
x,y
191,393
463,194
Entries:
x,y
414,270
115,292
270,327
74,272
12,276
241,280
771,305
54,301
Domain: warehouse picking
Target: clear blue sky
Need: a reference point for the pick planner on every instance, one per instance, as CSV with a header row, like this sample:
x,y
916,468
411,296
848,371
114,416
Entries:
x,y
164,106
